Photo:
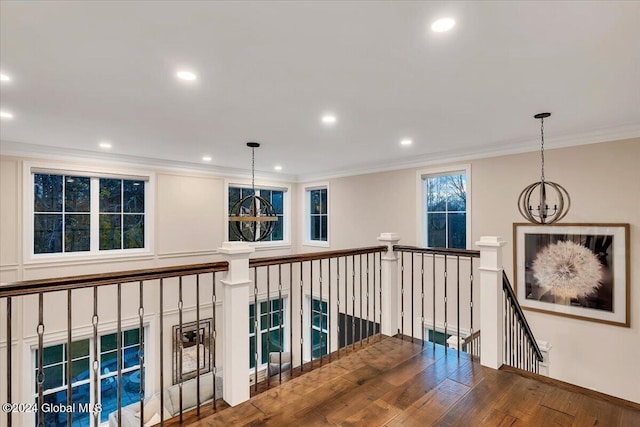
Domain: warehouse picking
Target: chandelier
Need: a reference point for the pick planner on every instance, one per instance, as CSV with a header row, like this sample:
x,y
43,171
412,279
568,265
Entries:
x,y
543,202
252,217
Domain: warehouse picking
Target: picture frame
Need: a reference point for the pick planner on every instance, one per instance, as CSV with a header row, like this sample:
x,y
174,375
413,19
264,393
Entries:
x,y
579,271
186,344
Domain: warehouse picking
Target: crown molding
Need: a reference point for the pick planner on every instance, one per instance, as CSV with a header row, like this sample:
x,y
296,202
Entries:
x,y
35,151
475,153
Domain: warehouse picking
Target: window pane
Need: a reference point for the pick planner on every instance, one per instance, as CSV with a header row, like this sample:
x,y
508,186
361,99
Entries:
x,y
277,201
316,319
233,236
133,196
53,376
79,349
133,231
80,370
457,230
77,194
323,228
110,195
109,361
457,193
51,355
436,193
436,230
315,227
323,203
131,357
315,305
110,231
315,206
244,192
252,351
47,233
47,192
266,194
131,336
77,233
278,227
234,196
108,342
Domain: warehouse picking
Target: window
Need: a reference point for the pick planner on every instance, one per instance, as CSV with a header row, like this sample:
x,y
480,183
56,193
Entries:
x,y
87,214
446,216
318,215
319,328
55,367
271,330
273,196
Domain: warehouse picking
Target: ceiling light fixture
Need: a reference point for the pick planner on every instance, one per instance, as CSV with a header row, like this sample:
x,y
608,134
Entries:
x,y
105,145
406,142
186,76
6,115
277,167
4,78
206,158
443,24
329,119
252,217
548,192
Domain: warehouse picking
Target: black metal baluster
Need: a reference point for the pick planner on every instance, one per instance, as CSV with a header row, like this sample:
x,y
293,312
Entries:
x,y
433,326
360,313
280,336
69,359
422,299
368,322
445,344
119,347
96,355
329,315
471,331
413,318
256,318
380,289
291,318
162,350
9,369
505,356
402,294
353,302
269,310
40,331
373,317
458,300
179,346
301,319
198,345
340,330
311,312
141,349
346,303
212,353
321,312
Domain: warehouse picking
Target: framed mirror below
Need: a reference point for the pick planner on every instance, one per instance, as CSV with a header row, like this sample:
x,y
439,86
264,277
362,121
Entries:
x,y
185,343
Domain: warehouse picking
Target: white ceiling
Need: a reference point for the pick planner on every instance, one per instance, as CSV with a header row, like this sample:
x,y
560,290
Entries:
x,y
84,72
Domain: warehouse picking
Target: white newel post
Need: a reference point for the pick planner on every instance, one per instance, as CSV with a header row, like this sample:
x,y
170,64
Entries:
x,y
390,300
491,301
235,375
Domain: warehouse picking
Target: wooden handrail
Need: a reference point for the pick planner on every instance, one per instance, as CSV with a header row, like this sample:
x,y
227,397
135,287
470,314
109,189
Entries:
x,y
288,259
511,297
30,287
473,336
438,251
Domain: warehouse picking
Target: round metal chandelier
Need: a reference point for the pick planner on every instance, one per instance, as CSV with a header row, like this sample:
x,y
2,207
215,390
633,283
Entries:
x,y
551,200
252,217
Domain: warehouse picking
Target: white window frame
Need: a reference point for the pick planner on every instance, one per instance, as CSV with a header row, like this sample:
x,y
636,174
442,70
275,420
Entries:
x,y
421,199
31,168
306,214
258,333
285,243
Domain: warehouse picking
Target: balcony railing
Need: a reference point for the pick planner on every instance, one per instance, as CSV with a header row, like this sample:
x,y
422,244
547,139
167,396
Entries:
x,y
306,309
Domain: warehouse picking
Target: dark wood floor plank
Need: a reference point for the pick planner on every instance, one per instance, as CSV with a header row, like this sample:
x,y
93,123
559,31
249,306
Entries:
x,y
544,416
373,415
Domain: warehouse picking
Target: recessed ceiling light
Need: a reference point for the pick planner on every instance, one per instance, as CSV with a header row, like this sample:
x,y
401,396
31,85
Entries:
x,y
105,145
329,119
186,75
277,167
4,78
406,141
206,158
6,115
442,25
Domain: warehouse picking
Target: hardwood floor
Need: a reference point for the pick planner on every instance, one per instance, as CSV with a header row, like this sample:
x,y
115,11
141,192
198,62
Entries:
x,y
399,383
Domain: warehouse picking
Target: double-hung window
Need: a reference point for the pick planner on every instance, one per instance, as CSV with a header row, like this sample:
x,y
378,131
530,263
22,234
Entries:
x,y
275,196
269,332
77,213
316,214
446,207
56,365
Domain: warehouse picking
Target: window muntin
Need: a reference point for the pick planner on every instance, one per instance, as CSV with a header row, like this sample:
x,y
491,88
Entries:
x,y
319,328
271,330
446,210
318,215
87,214
273,196
55,366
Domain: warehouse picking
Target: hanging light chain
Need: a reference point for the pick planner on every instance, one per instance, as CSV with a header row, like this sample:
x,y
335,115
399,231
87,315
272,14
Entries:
x,y
542,147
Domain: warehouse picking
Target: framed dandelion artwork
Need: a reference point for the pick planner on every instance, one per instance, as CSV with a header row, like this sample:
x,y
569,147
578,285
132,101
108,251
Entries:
x,y
574,270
